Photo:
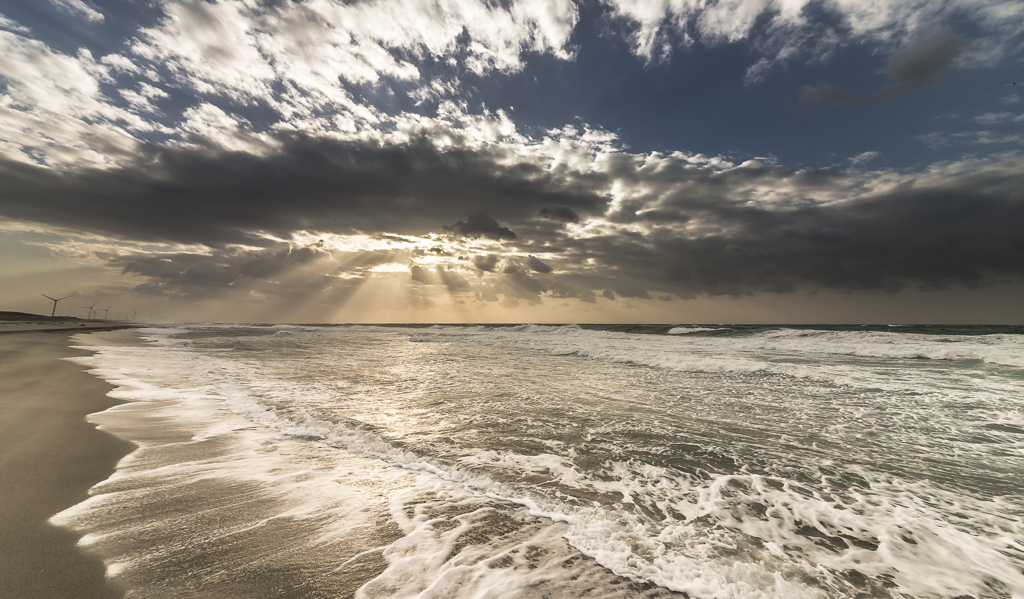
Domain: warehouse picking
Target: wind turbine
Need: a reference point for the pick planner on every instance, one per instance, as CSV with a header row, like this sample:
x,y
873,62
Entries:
x,y
90,308
55,300
105,311
134,312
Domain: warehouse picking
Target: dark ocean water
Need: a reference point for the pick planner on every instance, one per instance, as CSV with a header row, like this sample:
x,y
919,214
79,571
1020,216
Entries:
x,y
590,460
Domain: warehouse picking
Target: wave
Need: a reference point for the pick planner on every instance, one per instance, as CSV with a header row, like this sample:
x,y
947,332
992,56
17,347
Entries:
x,y
749,351
688,330
711,535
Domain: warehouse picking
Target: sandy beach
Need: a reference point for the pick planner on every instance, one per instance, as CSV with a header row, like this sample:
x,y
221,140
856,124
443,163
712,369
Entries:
x,y
49,458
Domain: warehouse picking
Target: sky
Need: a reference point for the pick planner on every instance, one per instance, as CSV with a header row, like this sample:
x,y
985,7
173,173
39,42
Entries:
x,y
669,161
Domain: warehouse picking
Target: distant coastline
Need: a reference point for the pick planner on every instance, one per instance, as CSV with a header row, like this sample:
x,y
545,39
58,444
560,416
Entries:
x,y
14,322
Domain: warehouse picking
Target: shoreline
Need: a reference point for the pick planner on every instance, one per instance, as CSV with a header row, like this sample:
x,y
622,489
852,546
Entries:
x,y
50,456
226,503
214,504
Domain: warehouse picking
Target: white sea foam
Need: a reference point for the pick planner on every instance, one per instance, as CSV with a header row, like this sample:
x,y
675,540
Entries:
x,y
686,330
770,533
794,352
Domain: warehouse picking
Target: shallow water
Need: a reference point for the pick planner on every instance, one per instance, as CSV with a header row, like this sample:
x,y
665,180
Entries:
x,y
568,461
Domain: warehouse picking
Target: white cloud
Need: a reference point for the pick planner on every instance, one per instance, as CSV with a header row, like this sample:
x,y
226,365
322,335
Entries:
x,y
934,140
137,100
303,59
988,137
787,32
151,92
120,63
80,7
861,159
298,56
10,25
53,111
227,131
992,118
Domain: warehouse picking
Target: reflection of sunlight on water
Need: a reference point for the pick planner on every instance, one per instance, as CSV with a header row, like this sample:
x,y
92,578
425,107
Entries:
x,y
410,368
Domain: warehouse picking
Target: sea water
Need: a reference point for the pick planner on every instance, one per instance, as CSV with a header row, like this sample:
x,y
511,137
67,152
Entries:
x,y
563,461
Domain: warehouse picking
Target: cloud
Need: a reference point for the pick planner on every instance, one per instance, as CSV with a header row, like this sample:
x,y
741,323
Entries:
x,y
909,69
934,140
13,26
216,197
486,263
200,276
537,265
80,7
564,214
451,279
565,290
649,224
298,56
419,274
780,31
924,61
956,223
54,111
988,137
519,284
314,67
994,118
863,158
479,224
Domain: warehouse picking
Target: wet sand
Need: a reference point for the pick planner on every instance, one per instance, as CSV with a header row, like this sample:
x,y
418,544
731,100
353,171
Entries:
x,y
49,458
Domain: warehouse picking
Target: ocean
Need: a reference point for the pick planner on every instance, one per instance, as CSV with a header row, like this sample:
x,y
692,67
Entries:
x,y
534,461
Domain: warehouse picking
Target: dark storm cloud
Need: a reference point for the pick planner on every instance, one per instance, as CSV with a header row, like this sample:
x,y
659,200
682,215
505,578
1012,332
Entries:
x,y
190,195
451,279
537,265
479,224
486,263
525,285
560,213
282,271
565,290
962,227
679,226
200,276
909,69
419,274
